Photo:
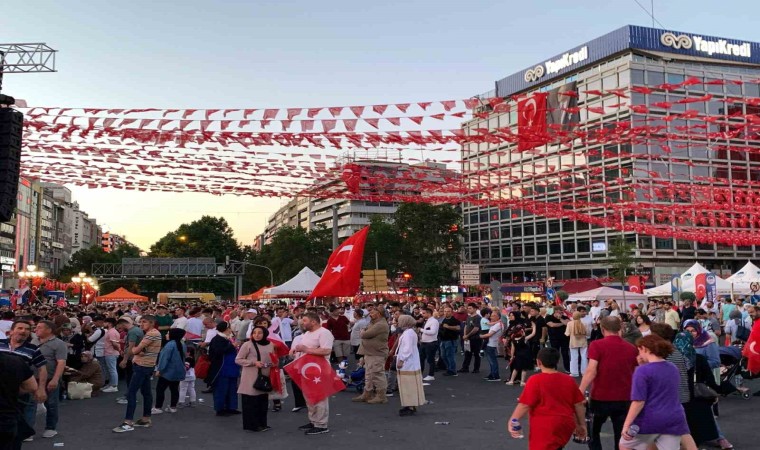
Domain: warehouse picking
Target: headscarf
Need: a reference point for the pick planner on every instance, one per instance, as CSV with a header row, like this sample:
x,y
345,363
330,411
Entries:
x,y
703,338
684,343
176,335
264,340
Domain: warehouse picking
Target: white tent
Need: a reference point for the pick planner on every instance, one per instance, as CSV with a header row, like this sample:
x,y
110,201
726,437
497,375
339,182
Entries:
x,y
603,293
741,280
724,286
300,285
665,290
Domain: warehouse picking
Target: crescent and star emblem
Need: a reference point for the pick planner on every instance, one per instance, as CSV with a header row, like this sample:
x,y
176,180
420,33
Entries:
x,y
316,379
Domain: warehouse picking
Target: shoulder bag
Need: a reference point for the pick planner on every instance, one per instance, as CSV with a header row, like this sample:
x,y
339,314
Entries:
x,y
262,383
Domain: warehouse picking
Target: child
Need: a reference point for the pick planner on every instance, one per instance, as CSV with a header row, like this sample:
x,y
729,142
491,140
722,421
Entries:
x,y
187,387
555,405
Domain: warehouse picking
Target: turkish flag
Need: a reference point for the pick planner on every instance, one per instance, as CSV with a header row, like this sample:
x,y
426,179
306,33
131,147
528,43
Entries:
x,y
316,378
531,121
700,286
634,284
752,349
341,276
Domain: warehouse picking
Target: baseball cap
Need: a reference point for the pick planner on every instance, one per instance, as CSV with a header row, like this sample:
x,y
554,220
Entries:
x,y
252,311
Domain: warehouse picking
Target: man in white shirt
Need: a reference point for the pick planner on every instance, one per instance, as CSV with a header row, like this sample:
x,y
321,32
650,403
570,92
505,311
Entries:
x,y
181,320
194,326
586,320
316,341
429,343
595,311
286,326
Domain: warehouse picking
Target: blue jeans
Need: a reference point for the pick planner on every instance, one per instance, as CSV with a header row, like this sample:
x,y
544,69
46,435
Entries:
x,y
51,417
29,408
448,350
493,362
140,382
110,369
225,394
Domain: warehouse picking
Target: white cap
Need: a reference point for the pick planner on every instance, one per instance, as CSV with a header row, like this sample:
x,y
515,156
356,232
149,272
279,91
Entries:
x,y
252,311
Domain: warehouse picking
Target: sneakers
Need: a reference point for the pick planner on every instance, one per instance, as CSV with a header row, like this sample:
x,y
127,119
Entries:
x,y
145,423
296,409
169,409
29,439
317,430
110,389
262,429
49,433
156,411
306,427
493,379
429,378
123,428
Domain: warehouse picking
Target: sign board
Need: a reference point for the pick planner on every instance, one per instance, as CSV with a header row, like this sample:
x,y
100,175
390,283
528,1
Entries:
x,y
496,295
711,285
598,246
550,293
375,280
675,288
469,274
755,299
754,286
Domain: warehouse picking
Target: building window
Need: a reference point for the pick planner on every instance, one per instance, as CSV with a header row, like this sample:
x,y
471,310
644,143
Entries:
x,y
555,248
516,231
663,244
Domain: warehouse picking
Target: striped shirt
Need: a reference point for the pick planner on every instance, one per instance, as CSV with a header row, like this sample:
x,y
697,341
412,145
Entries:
x,y
29,352
679,361
151,343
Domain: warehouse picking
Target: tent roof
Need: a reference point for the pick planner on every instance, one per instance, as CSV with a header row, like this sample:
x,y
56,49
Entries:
x,y
300,285
575,286
256,295
604,293
121,295
665,290
749,272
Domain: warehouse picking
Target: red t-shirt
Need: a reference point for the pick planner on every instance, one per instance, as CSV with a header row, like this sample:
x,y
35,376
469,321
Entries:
x,y
552,398
614,373
339,328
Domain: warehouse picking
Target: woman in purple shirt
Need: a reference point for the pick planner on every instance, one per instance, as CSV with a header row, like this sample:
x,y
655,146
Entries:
x,y
656,415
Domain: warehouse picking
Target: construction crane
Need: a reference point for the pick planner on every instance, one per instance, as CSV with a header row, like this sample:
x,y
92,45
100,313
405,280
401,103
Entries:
x,y
25,58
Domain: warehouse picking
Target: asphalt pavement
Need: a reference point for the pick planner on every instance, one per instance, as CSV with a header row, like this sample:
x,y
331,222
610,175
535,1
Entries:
x,y
476,412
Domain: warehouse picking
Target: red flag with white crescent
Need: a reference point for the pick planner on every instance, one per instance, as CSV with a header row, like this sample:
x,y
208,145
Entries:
x,y
316,378
531,121
343,271
700,286
752,349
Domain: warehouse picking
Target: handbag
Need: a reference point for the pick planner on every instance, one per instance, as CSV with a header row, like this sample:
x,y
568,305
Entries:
x,y
202,367
704,392
263,383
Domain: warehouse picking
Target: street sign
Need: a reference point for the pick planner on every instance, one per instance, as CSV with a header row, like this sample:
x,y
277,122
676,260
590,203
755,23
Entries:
x,y
755,299
375,280
469,274
550,294
754,286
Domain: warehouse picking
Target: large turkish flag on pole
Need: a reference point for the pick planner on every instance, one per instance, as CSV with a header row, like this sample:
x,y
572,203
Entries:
x,y
316,378
341,276
752,349
531,121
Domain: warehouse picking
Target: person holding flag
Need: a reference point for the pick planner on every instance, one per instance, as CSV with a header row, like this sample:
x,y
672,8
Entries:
x,y
315,341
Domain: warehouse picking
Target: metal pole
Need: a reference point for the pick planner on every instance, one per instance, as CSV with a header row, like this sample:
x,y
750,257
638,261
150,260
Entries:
x,y
377,265
81,291
334,227
234,288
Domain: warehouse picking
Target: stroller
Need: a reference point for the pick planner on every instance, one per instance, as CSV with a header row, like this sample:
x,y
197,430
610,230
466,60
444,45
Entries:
x,y
733,372
353,380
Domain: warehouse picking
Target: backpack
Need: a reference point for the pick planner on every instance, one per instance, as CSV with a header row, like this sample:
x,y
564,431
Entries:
x,y
742,332
90,345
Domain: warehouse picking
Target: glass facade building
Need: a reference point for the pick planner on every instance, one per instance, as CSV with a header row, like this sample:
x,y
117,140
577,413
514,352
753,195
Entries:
x,y
515,246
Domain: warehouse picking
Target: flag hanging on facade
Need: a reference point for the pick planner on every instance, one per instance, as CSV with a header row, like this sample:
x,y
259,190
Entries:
x,y
316,378
531,121
342,275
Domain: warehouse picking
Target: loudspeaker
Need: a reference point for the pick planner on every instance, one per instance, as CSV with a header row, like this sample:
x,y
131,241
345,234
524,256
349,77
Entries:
x,y
11,129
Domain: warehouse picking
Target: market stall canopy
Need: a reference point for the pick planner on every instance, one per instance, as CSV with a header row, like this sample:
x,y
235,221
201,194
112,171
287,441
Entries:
x,y
724,286
121,295
603,293
256,295
665,290
300,285
744,277
575,286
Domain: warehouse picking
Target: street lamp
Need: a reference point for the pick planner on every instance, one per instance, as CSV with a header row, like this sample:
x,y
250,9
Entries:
x,y
31,273
271,274
81,280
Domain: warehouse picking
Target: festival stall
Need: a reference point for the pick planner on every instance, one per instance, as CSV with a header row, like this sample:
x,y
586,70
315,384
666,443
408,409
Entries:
x,y
666,290
624,298
300,286
744,277
121,295
254,296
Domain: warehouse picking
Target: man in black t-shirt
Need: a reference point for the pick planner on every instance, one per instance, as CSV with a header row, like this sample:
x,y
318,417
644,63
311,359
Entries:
x,y
17,378
539,337
473,342
556,325
448,335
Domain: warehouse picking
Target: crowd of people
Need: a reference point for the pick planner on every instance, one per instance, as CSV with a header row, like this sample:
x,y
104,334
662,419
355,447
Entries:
x,y
652,371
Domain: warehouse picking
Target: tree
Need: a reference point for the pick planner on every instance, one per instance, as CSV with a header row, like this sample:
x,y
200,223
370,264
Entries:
x,y
621,253
562,295
208,237
430,242
384,239
689,296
